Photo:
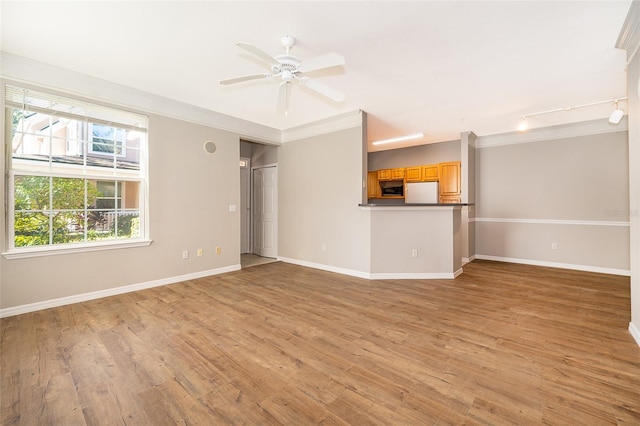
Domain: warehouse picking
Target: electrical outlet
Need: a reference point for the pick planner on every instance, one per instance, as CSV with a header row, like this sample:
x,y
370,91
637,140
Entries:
x,y
414,253
324,247
199,252
185,254
554,246
218,250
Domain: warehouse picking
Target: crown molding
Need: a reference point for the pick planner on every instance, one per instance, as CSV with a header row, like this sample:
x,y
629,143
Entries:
x,y
29,71
563,131
629,37
336,123
469,137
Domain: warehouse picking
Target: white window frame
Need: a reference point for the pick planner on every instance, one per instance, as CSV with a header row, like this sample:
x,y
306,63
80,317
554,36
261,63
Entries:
x,y
53,103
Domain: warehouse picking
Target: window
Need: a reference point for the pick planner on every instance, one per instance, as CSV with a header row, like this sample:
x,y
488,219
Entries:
x,y
77,173
107,140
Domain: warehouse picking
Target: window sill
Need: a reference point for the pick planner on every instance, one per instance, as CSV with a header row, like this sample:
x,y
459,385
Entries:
x,y
27,252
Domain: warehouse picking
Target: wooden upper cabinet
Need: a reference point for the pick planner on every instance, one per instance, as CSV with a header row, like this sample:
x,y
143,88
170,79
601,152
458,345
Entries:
x,y
397,174
373,187
430,173
449,181
384,174
448,174
391,174
413,174
425,173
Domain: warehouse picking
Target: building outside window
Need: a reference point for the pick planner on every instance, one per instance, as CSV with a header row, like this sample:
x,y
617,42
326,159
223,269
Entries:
x,y
107,140
77,172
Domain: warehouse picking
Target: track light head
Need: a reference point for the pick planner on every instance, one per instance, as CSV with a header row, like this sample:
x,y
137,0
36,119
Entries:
x,y
616,115
523,124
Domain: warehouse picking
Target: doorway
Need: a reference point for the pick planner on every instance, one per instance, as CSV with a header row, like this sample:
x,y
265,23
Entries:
x,y
245,205
264,210
258,242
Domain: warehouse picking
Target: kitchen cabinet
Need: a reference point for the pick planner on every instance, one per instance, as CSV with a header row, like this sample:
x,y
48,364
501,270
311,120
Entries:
x,y
447,174
373,187
384,174
430,173
414,174
449,178
450,200
391,174
397,174
426,173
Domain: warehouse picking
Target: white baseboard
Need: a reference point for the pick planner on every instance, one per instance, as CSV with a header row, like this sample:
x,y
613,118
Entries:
x,y
328,268
54,303
375,276
466,260
412,276
635,333
586,268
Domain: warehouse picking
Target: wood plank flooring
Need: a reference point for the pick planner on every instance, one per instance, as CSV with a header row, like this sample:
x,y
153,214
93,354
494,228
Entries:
x,y
283,344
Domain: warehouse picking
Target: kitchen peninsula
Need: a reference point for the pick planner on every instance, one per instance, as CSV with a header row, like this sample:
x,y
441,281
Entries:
x,y
429,234
417,241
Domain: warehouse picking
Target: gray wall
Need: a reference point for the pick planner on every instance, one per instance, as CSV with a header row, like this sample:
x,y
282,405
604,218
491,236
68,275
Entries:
x,y
571,191
263,154
319,189
259,153
634,163
189,195
434,232
630,40
415,155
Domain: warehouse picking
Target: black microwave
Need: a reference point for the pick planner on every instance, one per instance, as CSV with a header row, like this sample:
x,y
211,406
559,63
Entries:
x,y
392,191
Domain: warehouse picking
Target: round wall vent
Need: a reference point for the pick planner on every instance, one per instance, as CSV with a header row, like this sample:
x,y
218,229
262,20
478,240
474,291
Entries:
x,y
209,147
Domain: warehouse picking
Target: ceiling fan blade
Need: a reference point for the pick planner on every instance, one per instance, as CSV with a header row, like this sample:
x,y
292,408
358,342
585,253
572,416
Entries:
x,y
244,78
260,54
321,62
283,97
323,89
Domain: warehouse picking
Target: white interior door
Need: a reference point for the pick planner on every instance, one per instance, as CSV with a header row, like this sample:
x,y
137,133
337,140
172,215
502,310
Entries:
x,y
265,211
245,206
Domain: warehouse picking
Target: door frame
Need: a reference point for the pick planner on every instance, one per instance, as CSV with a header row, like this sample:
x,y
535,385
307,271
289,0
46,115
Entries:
x,y
252,208
245,206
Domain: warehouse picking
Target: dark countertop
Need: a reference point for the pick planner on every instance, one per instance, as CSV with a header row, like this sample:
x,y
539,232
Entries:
x,y
416,205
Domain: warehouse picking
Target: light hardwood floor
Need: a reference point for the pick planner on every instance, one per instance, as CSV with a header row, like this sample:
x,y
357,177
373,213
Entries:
x,y
248,260
283,344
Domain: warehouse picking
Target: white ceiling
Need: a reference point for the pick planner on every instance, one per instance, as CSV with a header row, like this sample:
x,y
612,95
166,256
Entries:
x,y
420,66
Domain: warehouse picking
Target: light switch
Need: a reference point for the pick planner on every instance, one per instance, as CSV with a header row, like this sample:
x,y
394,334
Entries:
x,y
232,207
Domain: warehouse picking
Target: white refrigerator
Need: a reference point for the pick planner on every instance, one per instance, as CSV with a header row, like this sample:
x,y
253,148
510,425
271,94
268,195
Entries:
x,y
421,193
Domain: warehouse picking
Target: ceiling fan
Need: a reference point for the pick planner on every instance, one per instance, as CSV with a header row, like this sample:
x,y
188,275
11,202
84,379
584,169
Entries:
x,y
288,69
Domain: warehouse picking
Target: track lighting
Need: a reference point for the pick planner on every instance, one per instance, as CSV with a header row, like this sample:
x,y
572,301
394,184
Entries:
x,y
616,115
614,118
523,124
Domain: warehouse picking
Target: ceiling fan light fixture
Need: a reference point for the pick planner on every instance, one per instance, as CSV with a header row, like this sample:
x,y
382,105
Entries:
x,y
289,69
287,76
412,136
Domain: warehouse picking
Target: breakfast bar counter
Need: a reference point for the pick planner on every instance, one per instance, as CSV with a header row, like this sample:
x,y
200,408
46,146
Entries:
x,y
415,241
